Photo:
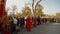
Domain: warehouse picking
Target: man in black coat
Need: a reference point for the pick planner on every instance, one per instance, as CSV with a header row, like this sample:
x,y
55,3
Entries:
x,y
23,20
39,21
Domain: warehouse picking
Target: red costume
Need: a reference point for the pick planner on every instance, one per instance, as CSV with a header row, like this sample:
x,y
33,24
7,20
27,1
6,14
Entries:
x,y
35,21
28,26
6,32
6,23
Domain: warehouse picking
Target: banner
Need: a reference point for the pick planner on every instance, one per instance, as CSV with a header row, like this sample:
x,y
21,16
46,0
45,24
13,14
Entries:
x,y
2,8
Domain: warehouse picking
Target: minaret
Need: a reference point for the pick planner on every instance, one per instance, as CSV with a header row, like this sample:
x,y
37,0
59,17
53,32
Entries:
x,y
2,8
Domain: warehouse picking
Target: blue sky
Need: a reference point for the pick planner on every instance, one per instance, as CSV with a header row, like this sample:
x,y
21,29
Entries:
x,y
50,6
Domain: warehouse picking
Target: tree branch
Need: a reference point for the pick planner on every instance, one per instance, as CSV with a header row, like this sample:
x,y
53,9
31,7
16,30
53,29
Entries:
x,y
37,4
33,6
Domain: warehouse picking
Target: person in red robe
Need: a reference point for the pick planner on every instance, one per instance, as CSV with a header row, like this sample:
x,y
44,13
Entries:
x,y
45,21
28,21
35,20
5,25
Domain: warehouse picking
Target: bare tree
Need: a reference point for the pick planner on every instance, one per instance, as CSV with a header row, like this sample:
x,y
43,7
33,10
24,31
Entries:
x,y
34,7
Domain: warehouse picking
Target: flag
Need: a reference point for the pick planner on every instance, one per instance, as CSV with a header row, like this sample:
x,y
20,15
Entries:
x,y
2,8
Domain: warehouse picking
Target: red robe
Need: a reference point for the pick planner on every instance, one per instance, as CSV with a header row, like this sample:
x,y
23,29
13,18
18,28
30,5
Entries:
x,y
6,32
28,26
35,22
5,23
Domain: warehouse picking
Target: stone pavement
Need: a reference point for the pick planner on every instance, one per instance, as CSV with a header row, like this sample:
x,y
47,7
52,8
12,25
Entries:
x,y
43,29
52,28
